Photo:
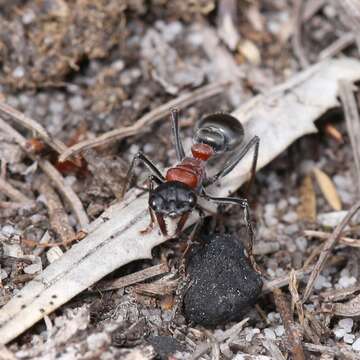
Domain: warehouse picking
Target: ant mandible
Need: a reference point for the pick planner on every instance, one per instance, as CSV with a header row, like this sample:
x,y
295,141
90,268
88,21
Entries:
x,y
172,201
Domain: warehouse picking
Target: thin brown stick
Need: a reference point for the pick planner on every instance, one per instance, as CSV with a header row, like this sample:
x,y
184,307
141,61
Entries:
x,y
12,193
144,123
346,92
68,193
59,220
293,334
297,38
322,235
31,125
325,253
134,277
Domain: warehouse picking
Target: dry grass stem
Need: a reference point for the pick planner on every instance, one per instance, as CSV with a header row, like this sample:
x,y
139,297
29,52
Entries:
x,y
203,348
12,193
293,335
346,92
325,253
31,125
144,123
322,235
297,35
59,220
337,46
66,190
284,280
135,277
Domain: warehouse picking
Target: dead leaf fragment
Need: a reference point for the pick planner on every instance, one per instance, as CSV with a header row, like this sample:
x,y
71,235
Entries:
x,y
307,209
328,189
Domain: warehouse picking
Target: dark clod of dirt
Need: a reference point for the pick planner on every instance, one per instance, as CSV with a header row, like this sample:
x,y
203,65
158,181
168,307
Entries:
x,y
165,346
223,285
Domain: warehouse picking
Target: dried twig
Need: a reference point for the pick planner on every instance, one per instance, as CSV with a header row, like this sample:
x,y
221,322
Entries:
x,y
311,8
144,123
53,174
322,235
31,125
59,220
337,46
349,11
297,38
202,348
293,334
325,253
348,309
284,280
134,277
12,193
352,117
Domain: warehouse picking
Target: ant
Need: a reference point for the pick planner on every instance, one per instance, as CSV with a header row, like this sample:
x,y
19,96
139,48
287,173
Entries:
x,y
175,196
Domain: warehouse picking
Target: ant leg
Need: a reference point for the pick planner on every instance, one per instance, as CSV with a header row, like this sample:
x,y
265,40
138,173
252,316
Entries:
x,y
148,163
151,179
180,153
245,206
229,166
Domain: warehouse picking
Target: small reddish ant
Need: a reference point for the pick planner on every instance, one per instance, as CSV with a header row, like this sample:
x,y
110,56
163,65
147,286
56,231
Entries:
x,y
176,194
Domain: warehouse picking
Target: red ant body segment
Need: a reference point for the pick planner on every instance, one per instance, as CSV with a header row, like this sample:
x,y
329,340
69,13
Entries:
x,y
191,171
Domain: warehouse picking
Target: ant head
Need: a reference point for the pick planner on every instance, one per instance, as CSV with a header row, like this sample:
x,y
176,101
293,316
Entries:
x,y
172,199
223,132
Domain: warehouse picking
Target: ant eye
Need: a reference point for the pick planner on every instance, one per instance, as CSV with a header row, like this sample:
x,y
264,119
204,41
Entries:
x,y
192,200
152,203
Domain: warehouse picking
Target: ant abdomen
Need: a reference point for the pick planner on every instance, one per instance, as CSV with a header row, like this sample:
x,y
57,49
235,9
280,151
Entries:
x,y
223,132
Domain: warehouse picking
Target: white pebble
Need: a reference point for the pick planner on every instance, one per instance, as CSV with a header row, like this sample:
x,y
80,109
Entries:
x,y
349,338
54,254
19,72
3,274
346,281
290,217
76,103
32,269
321,282
339,332
269,334
8,230
356,345
279,330
97,341
346,324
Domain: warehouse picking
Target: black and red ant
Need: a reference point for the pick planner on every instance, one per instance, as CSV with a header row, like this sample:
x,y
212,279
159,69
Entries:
x,y
172,201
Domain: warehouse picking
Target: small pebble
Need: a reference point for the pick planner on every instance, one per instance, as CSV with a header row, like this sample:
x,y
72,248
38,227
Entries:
x,y
269,334
280,330
356,345
290,217
19,72
8,230
346,281
346,324
339,332
98,341
32,269
349,338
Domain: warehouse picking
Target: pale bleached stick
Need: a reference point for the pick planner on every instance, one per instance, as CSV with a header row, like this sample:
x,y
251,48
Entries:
x,y
278,118
144,123
12,193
